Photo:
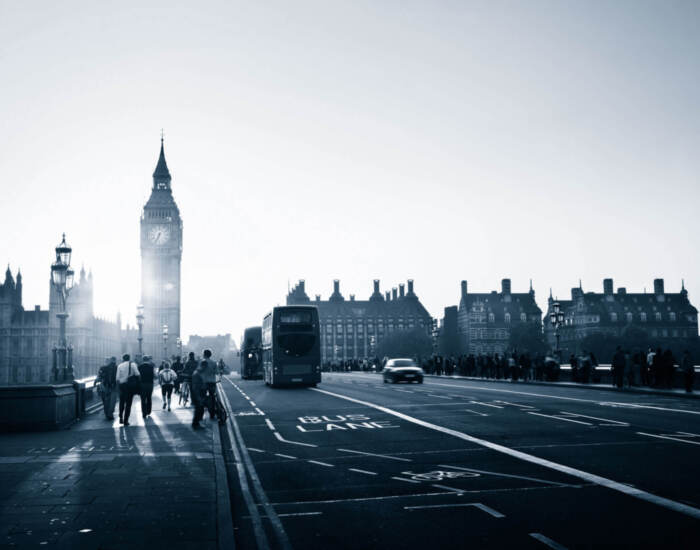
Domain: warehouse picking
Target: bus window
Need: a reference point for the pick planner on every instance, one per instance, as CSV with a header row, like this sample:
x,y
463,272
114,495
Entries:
x,y
296,345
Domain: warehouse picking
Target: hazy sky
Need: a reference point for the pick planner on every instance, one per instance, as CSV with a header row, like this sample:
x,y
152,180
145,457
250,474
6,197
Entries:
x,y
430,140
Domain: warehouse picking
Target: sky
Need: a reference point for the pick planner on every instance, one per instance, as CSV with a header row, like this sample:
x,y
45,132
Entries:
x,y
321,140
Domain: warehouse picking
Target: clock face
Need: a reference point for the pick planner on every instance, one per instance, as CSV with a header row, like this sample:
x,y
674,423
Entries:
x,y
159,234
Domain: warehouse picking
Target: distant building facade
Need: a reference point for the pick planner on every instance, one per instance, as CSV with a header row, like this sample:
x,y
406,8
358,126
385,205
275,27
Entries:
x,y
222,346
353,329
485,320
27,337
662,315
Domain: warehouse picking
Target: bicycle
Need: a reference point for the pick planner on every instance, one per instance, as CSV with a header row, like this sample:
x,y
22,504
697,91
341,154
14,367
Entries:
x,y
184,392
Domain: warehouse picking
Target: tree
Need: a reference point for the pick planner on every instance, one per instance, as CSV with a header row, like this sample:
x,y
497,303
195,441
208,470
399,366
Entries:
x,y
527,337
405,343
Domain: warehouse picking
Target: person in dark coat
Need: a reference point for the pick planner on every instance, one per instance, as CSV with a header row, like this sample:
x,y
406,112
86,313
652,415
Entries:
x,y
199,389
147,372
688,369
107,380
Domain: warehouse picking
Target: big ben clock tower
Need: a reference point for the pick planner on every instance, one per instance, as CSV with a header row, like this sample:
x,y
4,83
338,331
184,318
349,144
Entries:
x,y
161,255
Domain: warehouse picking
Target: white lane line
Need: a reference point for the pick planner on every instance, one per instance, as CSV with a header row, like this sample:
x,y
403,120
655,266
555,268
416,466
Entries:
x,y
374,454
283,440
485,404
586,476
671,438
688,434
285,456
255,450
609,422
515,404
299,514
361,499
499,474
453,489
561,418
257,410
547,541
478,505
438,396
475,412
636,406
363,471
270,424
405,391
252,403
406,480
321,463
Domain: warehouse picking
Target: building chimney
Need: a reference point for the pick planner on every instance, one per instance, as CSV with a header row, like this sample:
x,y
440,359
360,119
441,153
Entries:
x,y
376,286
464,289
607,286
302,284
387,295
505,286
318,297
401,290
622,291
352,297
37,308
658,286
336,286
393,293
410,287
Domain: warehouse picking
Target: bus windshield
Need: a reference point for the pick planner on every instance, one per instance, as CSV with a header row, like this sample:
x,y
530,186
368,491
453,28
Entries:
x,y
296,345
295,318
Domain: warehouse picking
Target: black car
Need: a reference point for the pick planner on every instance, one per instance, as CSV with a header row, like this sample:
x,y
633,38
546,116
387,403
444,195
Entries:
x,y
398,370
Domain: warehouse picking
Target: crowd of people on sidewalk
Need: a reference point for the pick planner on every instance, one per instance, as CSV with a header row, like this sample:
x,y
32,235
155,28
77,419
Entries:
x,y
195,379
655,368
514,366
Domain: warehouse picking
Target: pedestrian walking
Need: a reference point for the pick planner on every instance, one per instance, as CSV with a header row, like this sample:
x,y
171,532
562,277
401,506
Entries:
x,y
167,378
178,367
688,369
198,397
107,380
128,378
147,372
618,367
207,369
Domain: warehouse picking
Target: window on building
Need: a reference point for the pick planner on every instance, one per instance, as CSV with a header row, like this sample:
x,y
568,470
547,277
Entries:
x,y
629,316
523,317
492,317
658,316
613,317
672,316
507,318
643,317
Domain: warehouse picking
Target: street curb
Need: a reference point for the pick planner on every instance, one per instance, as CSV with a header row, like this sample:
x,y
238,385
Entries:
x,y
224,521
693,395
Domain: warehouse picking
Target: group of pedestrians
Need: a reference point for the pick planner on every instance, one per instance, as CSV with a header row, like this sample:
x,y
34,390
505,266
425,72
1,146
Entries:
x,y
128,379
655,368
512,365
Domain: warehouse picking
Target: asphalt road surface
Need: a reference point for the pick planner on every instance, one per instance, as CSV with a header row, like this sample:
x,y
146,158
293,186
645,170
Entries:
x,y
356,463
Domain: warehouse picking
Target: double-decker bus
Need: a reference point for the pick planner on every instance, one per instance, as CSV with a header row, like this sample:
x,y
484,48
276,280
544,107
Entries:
x,y
291,346
251,353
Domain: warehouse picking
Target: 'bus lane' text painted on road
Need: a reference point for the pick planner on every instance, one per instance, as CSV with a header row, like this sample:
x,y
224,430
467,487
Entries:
x,y
346,422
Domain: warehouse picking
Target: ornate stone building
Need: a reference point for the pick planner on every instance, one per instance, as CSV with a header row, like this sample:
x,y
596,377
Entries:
x,y
664,316
28,336
352,329
161,255
485,320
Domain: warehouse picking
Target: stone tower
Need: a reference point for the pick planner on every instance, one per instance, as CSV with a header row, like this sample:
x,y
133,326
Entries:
x,y
161,255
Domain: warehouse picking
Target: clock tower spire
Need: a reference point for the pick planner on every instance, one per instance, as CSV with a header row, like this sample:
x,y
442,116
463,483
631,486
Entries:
x,y
161,257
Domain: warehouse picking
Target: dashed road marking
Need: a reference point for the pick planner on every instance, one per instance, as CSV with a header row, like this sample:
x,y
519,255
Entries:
x,y
298,514
375,454
283,440
606,420
547,541
561,418
438,396
286,456
478,505
671,438
485,404
586,476
255,450
453,489
321,463
363,471
270,424
406,480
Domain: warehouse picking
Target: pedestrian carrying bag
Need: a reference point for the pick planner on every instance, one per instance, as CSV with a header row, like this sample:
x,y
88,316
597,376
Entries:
x,y
133,381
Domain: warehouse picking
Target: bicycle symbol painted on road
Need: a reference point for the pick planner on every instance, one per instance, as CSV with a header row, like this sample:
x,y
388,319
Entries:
x,y
439,475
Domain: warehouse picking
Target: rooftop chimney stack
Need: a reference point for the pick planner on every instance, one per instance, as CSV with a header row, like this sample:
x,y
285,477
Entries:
x,y
410,287
607,286
393,293
336,286
302,284
387,295
658,286
505,286
401,290
464,289
376,286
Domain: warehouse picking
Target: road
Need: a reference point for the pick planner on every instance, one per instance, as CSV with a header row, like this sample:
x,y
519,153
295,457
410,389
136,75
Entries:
x,y
355,463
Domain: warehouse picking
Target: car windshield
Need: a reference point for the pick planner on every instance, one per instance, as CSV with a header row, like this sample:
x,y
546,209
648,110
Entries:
x,y
402,363
296,345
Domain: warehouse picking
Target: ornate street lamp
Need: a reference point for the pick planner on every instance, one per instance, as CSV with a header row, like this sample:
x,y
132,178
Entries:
x,y
165,342
139,322
556,318
62,278
178,342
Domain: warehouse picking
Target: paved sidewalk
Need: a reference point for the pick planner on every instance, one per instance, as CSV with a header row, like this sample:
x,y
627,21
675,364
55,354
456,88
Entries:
x,y
152,484
676,392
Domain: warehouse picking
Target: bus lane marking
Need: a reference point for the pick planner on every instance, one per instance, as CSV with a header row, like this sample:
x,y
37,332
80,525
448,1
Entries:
x,y
586,476
325,423
377,455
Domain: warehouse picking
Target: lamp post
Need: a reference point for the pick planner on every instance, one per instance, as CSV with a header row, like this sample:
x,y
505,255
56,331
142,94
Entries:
x,y
178,343
165,342
62,278
556,318
139,322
